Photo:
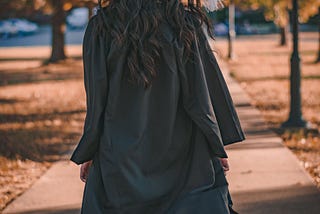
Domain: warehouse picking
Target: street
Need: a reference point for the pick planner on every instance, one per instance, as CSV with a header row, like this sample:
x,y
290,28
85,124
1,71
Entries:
x,y
74,37
42,38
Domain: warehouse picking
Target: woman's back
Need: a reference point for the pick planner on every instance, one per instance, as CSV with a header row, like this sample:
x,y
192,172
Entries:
x,y
152,134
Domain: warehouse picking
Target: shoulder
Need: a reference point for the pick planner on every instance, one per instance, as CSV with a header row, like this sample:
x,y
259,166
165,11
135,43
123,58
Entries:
x,y
93,37
91,26
98,23
97,26
192,19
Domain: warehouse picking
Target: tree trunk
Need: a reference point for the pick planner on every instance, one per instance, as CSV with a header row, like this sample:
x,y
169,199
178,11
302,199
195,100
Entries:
x,y
283,36
90,5
318,58
58,30
231,33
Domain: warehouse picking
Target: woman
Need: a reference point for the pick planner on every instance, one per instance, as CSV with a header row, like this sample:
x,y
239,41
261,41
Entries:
x,y
158,112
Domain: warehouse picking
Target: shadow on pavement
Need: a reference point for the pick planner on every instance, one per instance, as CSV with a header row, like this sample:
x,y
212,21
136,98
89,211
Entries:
x,y
44,58
27,77
264,145
53,210
294,200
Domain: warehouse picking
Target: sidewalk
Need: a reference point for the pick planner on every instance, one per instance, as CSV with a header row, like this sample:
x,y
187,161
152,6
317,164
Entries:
x,y
265,176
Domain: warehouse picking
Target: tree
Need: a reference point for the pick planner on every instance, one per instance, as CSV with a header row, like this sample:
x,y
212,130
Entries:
x,y
16,8
58,23
278,11
318,57
309,8
57,9
231,31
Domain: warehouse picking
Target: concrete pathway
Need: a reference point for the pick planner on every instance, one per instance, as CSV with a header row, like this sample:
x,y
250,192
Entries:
x,y
265,177
59,190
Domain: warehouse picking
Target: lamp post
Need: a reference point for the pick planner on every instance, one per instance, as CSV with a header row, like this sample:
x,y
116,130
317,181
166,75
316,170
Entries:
x,y
295,116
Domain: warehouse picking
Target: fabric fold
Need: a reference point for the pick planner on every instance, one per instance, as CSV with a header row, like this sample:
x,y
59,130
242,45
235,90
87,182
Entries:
x,y
96,86
225,115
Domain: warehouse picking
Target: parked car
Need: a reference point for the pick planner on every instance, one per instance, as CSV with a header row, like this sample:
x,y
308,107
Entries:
x,y
78,18
220,29
24,27
246,29
13,27
7,29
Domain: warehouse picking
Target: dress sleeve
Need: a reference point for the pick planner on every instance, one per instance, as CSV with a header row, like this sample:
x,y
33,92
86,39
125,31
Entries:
x,y
196,98
221,100
96,86
203,73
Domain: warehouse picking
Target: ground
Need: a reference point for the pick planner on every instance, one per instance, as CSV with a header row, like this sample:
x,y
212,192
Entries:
x,y
42,107
263,69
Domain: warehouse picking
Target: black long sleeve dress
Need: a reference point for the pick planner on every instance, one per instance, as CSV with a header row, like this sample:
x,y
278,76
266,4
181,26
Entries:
x,y
155,150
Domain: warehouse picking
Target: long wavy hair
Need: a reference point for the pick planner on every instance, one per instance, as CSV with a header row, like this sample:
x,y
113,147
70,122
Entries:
x,y
135,23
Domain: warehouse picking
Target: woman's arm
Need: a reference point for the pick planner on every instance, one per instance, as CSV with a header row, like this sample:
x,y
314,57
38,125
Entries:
x,y
96,86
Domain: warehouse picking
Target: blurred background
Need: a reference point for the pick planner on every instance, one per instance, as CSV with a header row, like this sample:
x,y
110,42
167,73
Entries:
x,y
42,99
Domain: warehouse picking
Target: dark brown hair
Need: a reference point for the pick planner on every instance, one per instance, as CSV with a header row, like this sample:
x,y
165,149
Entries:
x,y
135,23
